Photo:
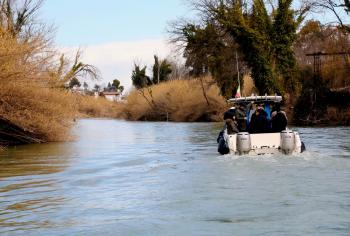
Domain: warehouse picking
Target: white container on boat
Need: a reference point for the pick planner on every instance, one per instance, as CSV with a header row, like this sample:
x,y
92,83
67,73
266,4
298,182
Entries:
x,y
287,141
243,142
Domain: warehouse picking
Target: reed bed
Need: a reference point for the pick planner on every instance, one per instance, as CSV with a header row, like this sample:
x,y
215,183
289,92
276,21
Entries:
x,y
34,113
88,106
177,100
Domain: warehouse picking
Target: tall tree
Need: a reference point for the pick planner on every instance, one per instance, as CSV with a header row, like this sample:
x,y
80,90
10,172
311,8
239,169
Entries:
x,y
139,77
161,70
264,38
208,49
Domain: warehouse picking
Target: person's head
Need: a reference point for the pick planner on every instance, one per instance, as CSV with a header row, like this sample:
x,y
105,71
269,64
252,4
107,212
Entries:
x,y
242,106
230,113
277,107
260,106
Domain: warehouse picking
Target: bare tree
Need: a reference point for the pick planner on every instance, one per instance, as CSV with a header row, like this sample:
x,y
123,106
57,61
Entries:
x,y
19,17
335,7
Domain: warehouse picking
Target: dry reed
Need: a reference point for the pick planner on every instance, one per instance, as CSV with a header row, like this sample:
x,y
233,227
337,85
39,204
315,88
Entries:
x,y
89,106
30,110
177,100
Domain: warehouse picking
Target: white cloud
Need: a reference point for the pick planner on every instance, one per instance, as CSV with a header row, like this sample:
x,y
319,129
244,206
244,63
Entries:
x,y
116,59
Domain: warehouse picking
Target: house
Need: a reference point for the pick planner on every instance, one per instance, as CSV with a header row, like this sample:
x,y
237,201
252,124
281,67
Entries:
x,y
112,96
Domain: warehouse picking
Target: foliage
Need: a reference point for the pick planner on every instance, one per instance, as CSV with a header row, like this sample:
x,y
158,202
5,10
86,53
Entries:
x,y
74,82
77,70
161,70
116,83
209,50
317,90
34,107
314,37
139,77
117,86
264,39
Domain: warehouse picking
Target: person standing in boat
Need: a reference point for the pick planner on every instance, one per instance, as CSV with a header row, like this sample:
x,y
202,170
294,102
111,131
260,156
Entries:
x,y
230,127
230,121
259,122
279,120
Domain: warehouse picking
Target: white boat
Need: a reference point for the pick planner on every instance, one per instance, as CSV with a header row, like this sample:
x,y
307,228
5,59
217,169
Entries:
x,y
284,142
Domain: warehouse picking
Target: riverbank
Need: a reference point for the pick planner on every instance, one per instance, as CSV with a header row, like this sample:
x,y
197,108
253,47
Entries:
x,y
30,113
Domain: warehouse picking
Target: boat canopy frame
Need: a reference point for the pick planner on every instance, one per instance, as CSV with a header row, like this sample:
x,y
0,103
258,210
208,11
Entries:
x,y
275,99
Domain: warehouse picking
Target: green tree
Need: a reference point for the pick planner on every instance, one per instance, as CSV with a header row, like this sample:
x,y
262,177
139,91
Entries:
x,y
264,38
117,86
139,77
116,83
74,82
210,50
161,70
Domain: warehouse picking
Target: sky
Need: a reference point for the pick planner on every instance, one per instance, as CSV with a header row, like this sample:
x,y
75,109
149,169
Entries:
x,y
113,34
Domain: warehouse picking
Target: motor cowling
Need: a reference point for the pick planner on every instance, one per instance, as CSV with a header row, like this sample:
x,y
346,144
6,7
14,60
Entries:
x,y
243,142
287,141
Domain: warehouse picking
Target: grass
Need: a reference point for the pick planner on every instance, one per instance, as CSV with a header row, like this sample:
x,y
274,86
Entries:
x,y
177,100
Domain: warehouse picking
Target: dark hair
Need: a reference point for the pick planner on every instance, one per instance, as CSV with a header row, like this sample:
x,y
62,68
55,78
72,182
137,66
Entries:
x,y
229,114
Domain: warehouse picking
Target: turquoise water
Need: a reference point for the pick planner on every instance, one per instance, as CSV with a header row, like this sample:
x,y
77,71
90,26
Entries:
x,y
135,178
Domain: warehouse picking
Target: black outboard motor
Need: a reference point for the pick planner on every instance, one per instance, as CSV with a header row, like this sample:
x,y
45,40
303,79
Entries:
x,y
222,142
223,147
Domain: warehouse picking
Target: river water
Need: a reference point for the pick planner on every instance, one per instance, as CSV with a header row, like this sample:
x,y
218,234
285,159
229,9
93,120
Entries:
x,y
137,178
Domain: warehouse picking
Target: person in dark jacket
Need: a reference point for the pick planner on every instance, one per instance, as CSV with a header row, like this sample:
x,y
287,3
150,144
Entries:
x,y
278,121
230,121
259,122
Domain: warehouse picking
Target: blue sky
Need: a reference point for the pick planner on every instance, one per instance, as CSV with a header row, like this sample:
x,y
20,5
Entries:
x,y
89,22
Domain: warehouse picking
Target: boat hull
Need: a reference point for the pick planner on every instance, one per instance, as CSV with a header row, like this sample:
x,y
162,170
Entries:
x,y
286,142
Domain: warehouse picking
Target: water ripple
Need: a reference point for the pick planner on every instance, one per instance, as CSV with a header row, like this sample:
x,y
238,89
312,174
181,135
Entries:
x,y
138,178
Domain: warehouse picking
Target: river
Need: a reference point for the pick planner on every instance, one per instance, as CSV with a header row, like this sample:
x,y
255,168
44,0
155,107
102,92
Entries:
x,y
139,178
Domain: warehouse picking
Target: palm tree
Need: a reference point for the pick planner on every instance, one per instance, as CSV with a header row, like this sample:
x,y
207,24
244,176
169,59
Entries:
x,y
77,70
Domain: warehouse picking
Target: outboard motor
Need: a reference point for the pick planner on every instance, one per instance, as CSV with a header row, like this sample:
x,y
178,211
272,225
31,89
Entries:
x,y
287,141
243,143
